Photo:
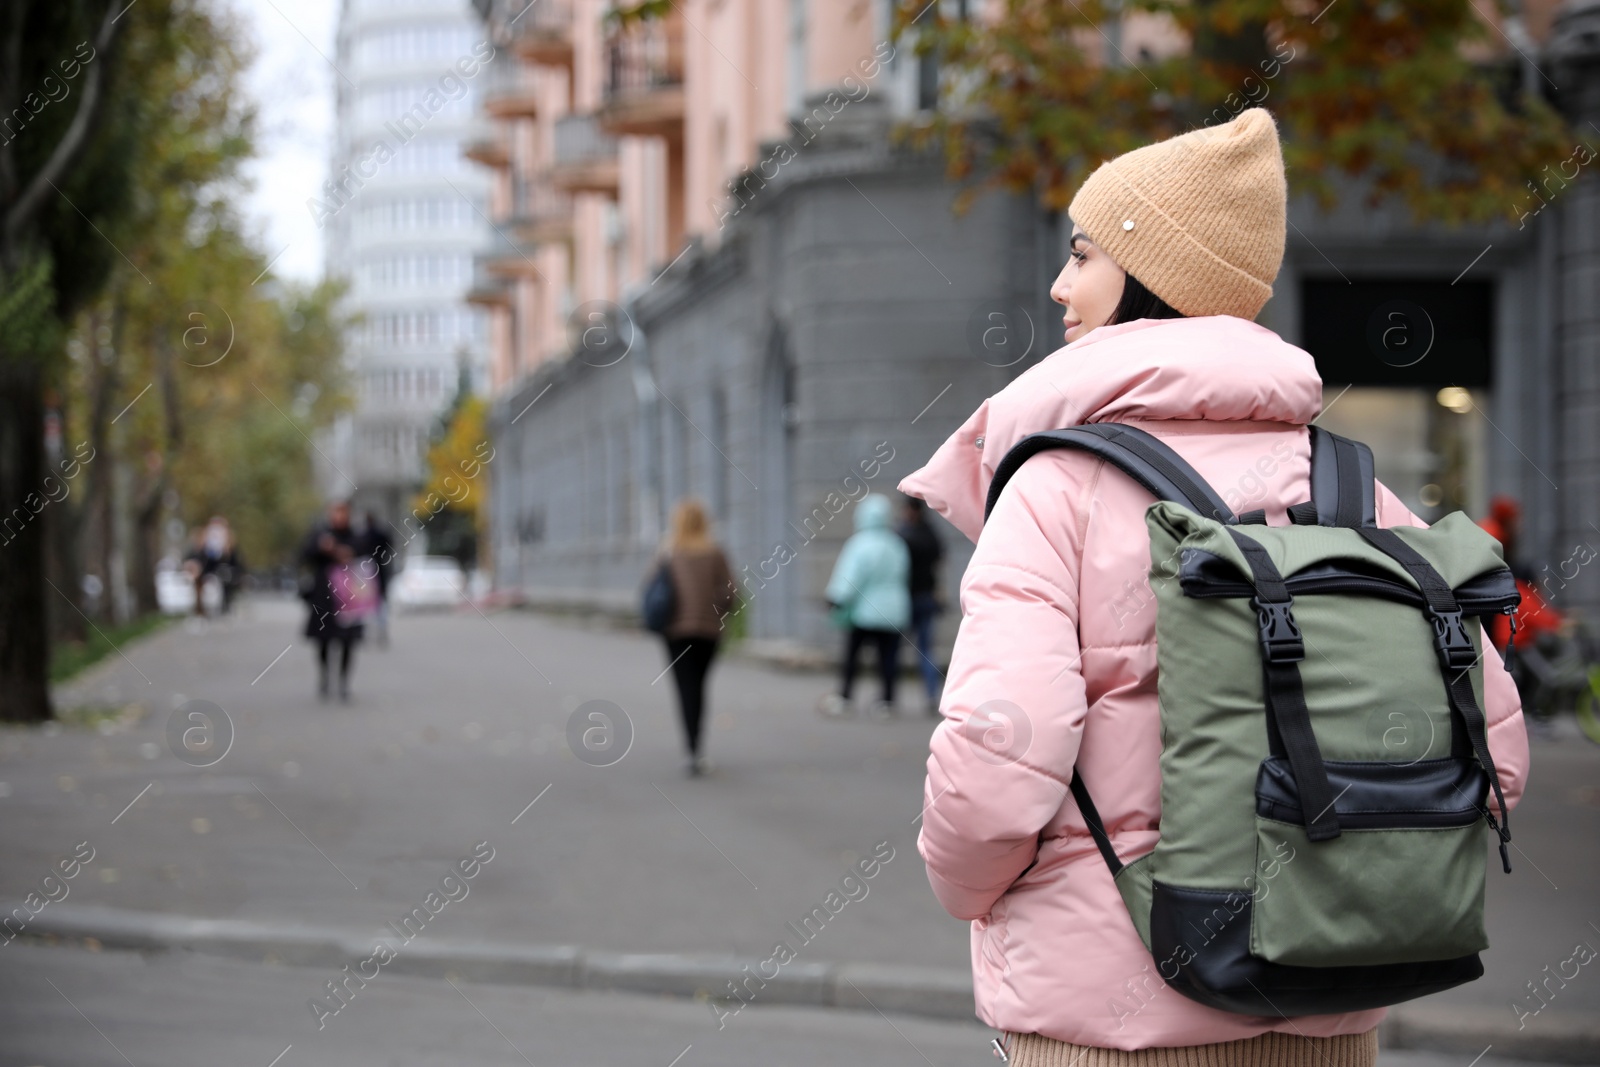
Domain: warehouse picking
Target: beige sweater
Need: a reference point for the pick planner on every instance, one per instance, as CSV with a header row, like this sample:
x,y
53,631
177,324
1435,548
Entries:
x,y
1265,1050
703,587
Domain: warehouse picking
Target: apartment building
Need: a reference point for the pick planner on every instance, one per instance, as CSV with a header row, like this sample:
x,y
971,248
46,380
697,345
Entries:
x,y
715,272
404,213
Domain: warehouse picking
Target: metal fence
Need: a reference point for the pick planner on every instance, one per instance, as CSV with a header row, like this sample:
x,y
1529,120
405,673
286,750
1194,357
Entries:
x,y
644,57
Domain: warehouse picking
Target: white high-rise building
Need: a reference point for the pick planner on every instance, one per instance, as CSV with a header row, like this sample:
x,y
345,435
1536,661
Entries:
x,y
404,212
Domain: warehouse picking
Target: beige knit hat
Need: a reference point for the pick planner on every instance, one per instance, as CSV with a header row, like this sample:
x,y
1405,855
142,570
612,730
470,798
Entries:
x,y
1198,218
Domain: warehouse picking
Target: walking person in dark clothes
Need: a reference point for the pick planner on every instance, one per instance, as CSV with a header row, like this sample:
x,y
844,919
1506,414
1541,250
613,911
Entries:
x,y
926,552
381,547
341,591
869,594
703,592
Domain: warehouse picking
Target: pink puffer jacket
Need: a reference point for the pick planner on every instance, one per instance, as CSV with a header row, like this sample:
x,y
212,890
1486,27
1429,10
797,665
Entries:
x,y
1058,620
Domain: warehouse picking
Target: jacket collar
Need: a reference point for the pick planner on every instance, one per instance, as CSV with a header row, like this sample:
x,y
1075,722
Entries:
x,y
1217,368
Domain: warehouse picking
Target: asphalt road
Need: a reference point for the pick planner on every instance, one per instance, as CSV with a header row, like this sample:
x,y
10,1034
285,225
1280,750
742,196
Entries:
x,y
70,1008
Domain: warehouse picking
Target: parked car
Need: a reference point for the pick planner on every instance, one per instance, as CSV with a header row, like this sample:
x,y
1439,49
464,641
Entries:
x,y
428,582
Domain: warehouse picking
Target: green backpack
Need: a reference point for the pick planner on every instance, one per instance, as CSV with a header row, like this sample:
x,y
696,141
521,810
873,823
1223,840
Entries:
x,y
1324,766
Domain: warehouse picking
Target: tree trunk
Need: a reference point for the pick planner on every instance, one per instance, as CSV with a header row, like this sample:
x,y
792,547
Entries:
x,y
151,500
98,502
62,524
24,637
146,547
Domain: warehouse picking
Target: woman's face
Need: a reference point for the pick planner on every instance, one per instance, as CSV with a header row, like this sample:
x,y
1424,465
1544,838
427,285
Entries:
x,y
1089,287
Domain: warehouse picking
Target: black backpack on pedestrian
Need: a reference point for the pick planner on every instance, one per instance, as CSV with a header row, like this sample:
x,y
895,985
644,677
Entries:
x,y
660,600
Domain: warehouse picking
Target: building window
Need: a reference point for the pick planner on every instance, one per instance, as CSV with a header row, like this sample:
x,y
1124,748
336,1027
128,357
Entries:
x,y
402,44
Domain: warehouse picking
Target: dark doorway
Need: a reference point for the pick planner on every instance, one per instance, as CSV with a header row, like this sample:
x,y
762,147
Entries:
x,y
1399,331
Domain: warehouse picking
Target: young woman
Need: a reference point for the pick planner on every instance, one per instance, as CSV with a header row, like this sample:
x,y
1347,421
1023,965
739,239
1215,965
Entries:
x,y
1175,247
703,591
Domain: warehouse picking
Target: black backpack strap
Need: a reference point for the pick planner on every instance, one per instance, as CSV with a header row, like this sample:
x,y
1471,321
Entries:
x,y
1289,732
1152,464
1342,480
1457,657
1097,829
1137,454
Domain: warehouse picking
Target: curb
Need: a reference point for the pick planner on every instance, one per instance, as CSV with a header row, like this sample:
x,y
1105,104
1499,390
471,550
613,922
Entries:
x,y
938,993
930,992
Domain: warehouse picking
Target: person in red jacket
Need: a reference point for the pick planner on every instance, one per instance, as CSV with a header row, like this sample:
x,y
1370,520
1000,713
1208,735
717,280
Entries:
x,y
1534,616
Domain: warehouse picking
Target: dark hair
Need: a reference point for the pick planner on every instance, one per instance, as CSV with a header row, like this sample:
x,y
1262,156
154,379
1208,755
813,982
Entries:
x,y
1140,303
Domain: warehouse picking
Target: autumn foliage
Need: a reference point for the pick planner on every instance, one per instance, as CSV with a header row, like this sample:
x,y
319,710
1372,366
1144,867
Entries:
x,y
1418,103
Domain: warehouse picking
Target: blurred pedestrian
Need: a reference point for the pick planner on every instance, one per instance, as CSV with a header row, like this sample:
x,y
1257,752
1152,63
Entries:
x,y
926,552
1505,524
1531,637
869,595
380,546
702,594
214,556
1535,616
341,591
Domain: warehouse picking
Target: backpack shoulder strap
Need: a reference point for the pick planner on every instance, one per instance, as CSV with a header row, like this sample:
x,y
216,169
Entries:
x,y
1137,454
1153,465
1342,481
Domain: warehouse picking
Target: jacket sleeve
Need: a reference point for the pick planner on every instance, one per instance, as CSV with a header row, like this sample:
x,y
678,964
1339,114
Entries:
x,y
1502,706
1014,701
844,585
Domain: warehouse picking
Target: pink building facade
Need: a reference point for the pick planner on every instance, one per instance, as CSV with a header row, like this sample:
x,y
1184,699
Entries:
x,y
612,145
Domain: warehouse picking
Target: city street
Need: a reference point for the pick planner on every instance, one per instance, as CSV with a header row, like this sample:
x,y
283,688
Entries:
x,y
324,821
629,362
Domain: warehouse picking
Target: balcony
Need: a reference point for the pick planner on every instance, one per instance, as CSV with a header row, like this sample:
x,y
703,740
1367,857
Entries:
x,y
541,31
508,93
490,288
541,213
486,144
507,257
585,156
644,79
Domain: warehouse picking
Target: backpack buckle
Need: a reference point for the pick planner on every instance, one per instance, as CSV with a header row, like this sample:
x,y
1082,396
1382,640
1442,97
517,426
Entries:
x,y
1279,633
1451,640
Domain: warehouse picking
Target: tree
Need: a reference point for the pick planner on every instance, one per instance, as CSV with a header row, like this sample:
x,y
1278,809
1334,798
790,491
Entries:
x,y
185,134
454,502
192,377
1407,100
250,417
56,60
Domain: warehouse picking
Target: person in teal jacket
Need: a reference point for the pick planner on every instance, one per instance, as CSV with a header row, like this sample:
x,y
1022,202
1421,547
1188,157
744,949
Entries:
x,y
869,595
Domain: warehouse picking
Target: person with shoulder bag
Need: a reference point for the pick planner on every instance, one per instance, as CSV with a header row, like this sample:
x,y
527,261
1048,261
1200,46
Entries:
x,y
686,600
1168,790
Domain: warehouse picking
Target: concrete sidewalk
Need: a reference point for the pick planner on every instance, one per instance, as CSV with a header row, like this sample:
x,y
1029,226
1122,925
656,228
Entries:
x,y
336,820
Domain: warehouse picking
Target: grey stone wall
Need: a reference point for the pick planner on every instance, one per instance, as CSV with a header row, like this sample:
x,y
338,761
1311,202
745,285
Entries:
x,y
821,351
1573,516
